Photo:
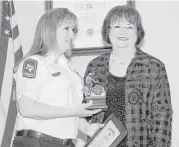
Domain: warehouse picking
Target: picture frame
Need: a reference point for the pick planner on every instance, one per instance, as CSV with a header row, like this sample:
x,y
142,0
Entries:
x,y
110,135
90,14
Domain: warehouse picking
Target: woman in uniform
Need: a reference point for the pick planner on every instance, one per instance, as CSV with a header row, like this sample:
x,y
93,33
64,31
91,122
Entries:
x,y
49,91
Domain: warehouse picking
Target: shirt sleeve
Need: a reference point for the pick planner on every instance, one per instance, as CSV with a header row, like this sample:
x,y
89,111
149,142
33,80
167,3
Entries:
x,y
162,109
30,77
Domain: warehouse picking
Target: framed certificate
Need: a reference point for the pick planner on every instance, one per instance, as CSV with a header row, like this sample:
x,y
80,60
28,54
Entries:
x,y
110,135
91,15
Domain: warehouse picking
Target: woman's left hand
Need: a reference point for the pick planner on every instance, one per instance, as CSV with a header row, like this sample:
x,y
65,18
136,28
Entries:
x,y
93,128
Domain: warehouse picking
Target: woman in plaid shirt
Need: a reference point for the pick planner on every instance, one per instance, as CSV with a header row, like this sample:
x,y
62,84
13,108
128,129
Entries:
x,y
136,83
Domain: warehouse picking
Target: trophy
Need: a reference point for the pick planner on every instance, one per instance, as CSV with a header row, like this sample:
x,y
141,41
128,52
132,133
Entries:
x,y
94,93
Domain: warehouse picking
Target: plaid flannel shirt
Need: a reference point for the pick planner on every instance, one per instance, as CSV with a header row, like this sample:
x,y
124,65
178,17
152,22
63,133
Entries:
x,y
148,109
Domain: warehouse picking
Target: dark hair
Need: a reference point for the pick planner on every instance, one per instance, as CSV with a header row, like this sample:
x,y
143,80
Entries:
x,y
119,12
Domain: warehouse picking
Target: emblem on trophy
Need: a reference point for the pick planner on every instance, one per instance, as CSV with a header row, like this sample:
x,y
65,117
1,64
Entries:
x,y
94,93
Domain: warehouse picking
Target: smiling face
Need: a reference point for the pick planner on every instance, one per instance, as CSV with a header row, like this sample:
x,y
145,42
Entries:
x,y
65,36
123,34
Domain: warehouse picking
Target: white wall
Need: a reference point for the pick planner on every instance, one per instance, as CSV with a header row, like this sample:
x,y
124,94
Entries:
x,y
161,23
27,16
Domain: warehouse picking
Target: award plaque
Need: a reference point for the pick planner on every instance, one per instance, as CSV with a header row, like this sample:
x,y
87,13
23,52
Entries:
x,y
94,93
110,135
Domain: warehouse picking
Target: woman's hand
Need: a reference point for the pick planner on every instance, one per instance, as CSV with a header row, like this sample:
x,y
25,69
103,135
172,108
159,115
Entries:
x,y
81,110
93,128
87,128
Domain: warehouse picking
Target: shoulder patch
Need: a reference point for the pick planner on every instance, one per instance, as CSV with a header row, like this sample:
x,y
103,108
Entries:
x,y
29,68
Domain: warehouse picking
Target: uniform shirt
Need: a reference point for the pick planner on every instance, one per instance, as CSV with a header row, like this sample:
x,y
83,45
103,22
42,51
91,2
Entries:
x,y
148,110
56,84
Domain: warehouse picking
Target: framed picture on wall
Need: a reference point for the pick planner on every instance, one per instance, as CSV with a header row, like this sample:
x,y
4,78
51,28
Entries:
x,y
90,15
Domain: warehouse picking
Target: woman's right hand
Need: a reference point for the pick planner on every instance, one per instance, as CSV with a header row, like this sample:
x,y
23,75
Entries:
x,y
81,110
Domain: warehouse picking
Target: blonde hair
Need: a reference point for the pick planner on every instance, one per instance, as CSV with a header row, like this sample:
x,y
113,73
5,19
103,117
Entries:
x,y
45,34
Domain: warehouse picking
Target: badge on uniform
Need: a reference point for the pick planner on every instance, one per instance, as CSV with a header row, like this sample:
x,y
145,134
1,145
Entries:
x,y
56,74
29,68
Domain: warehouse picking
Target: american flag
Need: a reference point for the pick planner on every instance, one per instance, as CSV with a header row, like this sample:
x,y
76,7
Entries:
x,y
10,53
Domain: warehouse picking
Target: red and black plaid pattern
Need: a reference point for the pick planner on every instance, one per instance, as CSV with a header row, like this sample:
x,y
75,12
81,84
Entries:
x,y
148,108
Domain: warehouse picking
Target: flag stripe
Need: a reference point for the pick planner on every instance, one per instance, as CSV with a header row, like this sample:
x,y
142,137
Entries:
x,y
12,10
18,54
8,75
9,127
17,44
13,21
3,54
7,87
15,32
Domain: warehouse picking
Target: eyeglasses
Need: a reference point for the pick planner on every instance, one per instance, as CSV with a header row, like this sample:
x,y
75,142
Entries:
x,y
126,28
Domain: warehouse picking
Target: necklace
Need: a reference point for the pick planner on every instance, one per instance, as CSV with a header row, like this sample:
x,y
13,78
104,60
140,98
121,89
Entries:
x,y
119,63
115,60
122,63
